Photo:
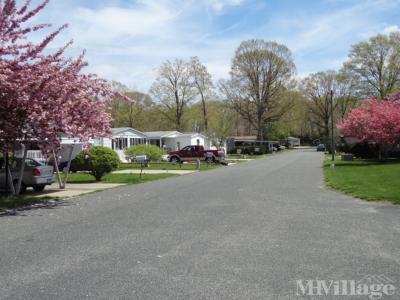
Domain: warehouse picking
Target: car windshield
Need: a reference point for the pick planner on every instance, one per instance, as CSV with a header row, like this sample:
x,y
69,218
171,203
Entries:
x,y
31,163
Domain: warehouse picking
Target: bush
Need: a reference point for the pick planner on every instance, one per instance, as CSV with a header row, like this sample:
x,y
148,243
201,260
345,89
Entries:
x,y
152,152
98,161
362,150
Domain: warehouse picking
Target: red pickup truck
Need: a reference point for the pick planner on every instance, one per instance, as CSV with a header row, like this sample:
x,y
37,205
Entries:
x,y
193,153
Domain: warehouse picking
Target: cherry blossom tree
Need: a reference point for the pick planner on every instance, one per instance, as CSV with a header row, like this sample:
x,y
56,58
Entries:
x,y
44,95
376,122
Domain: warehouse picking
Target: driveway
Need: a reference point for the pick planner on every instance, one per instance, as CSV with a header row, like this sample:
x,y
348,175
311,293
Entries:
x,y
249,231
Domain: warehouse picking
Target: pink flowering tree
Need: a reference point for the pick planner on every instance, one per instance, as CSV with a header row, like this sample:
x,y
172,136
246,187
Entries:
x,y
377,122
42,95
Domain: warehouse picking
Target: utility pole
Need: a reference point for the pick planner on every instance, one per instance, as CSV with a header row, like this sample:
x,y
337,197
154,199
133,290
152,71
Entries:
x,y
333,150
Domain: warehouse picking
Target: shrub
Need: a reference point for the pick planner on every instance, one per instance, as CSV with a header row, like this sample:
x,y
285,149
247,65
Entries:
x,y
152,152
98,161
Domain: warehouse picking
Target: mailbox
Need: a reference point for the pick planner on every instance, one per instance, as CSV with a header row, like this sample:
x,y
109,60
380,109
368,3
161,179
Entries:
x,y
141,159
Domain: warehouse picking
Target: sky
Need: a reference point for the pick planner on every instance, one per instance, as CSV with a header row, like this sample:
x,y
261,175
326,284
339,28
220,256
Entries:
x,y
127,40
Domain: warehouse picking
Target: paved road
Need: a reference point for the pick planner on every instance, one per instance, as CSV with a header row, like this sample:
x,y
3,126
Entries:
x,y
243,232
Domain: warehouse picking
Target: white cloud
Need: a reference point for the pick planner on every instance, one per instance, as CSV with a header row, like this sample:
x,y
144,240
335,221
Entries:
x,y
219,5
128,40
390,29
108,24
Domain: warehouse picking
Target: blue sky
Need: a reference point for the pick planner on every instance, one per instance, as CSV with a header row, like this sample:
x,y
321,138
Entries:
x,y
127,40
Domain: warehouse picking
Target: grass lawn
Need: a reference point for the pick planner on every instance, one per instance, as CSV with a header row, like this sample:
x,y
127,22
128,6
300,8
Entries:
x,y
169,166
365,179
117,178
13,202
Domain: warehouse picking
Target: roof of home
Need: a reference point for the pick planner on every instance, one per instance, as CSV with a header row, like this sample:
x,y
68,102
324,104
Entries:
x,y
192,133
245,138
120,130
162,134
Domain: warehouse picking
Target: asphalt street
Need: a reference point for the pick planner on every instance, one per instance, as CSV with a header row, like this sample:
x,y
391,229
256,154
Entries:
x,y
248,231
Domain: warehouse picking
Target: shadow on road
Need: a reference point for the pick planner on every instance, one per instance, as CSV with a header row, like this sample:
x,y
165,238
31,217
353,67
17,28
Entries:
x,y
51,204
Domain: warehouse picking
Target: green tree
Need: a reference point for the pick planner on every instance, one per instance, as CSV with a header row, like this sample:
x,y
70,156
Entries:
x,y
203,83
130,114
98,161
152,152
317,89
260,72
376,65
174,90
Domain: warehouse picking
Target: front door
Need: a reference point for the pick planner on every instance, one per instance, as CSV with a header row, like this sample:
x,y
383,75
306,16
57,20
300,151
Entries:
x,y
188,153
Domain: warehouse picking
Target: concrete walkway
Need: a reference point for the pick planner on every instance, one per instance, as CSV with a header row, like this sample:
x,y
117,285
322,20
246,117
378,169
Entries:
x,y
73,189
145,171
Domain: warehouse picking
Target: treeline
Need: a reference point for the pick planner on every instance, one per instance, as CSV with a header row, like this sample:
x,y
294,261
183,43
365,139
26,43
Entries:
x,y
262,95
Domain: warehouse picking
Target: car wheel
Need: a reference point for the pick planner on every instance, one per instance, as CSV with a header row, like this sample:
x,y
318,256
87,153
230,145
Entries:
x,y
210,160
39,188
174,160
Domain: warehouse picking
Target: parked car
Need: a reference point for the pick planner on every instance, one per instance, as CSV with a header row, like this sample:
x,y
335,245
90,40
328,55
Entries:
x,y
321,147
193,153
36,175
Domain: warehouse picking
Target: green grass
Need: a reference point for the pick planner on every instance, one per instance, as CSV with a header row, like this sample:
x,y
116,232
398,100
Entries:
x,y
365,179
169,166
13,202
117,178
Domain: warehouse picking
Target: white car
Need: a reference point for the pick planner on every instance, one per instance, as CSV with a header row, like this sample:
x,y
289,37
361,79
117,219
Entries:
x,y
36,175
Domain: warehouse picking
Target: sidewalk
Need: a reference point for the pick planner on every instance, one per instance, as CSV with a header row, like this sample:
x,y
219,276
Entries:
x,y
73,189
137,171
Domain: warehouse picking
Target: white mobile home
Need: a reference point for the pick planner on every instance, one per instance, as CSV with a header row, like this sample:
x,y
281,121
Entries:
x,y
121,139
125,137
175,140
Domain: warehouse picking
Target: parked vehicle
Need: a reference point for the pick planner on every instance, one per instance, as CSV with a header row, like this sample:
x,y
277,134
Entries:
x,y
321,147
36,175
278,147
193,153
249,146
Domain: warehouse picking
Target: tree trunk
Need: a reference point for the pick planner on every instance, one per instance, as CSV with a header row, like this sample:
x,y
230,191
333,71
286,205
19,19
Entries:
x,y
9,178
7,165
260,133
57,170
205,117
327,133
22,169
204,112
178,122
67,168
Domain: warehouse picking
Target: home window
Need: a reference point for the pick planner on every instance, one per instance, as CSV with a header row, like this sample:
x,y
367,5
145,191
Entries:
x,y
120,143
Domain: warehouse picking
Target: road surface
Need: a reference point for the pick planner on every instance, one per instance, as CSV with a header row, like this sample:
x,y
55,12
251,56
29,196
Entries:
x,y
249,231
